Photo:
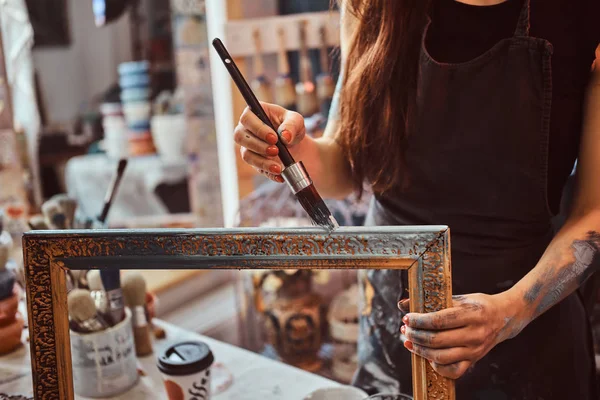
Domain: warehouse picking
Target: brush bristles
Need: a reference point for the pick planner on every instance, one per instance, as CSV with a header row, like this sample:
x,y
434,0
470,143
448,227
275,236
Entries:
x,y
81,305
316,208
37,222
134,289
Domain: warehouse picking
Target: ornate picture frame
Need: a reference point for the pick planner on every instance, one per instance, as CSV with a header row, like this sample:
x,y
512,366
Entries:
x,y
423,251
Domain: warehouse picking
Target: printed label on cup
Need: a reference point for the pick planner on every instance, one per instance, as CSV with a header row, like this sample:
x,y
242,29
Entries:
x,y
188,387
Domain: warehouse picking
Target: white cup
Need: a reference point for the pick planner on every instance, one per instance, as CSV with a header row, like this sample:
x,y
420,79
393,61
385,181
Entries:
x,y
186,370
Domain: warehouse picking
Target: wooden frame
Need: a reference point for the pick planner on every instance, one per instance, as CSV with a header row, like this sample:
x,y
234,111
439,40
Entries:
x,y
423,251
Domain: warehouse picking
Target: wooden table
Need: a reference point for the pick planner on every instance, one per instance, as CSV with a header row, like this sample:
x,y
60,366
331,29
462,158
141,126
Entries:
x,y
254,377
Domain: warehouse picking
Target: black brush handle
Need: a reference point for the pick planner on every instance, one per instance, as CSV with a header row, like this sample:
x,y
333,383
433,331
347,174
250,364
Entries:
x,y
112,190
284,154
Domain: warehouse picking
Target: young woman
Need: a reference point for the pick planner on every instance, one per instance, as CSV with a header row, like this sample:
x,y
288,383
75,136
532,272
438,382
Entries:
x,y
468,113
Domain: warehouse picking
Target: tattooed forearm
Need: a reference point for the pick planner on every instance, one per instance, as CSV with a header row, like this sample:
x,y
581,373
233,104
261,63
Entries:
x,y
532,294
561,278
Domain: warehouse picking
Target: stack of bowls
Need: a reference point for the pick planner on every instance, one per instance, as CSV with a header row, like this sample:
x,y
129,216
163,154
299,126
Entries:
x,y
134,80
115,130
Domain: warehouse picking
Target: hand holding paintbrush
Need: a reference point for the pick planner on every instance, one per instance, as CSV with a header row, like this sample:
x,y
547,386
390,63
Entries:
x,y
294,172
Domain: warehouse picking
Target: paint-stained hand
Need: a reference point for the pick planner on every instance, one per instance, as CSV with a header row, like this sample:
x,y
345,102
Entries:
x,y
258,141
456,338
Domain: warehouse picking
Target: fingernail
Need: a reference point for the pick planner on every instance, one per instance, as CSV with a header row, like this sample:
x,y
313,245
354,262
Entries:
x,y
272,151
287,136
405,319
279,179
271,138
403,329
402,305
275,169
408,344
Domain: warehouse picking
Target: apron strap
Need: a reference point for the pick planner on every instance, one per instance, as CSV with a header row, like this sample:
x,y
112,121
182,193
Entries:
x,y
524,20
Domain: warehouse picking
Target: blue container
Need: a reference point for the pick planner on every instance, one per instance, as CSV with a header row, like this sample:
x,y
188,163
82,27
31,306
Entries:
x,y
139,126
135,94
134,81
135,67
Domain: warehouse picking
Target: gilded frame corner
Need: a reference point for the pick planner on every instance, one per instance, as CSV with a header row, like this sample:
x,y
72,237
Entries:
x,y
423,251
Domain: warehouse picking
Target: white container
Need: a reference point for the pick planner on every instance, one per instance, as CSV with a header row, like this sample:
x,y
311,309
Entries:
x,y
169,134
139,111
104,363
115,137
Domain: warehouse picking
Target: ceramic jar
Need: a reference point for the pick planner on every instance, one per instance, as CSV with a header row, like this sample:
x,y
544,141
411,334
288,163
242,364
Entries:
x,y
293,323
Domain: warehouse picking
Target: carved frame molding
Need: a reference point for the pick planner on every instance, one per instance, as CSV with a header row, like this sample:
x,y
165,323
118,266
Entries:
x,y
424,251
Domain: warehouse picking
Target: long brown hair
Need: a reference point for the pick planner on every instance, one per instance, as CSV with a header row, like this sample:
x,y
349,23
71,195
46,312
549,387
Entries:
x,y
378,97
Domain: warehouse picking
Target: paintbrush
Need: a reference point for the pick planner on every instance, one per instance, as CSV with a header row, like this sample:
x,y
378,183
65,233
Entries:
x,y
53,215
68,206
306,94
134,291
294,172
37,223
112,190
285,93
325,83
111,279
97,291
83,312
260,84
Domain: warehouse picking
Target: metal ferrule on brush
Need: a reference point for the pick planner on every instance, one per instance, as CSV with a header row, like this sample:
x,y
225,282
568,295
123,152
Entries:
x,y
100,300
296,177
116,305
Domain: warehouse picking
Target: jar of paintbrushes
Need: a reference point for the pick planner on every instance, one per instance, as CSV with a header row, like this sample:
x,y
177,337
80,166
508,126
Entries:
x,y
103,352
110,326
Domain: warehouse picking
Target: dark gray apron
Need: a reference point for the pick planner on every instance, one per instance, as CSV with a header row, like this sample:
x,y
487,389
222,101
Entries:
x,y
477,162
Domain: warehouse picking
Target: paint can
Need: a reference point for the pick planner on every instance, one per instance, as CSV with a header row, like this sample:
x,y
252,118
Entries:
x,y
104,363
186,370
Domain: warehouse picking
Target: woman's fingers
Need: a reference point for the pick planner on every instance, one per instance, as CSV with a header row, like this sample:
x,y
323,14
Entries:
x,y
273,177
258,140
438,339
452,371
246,139
260,162
440,356
254,125
404,305
292,128
455,317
